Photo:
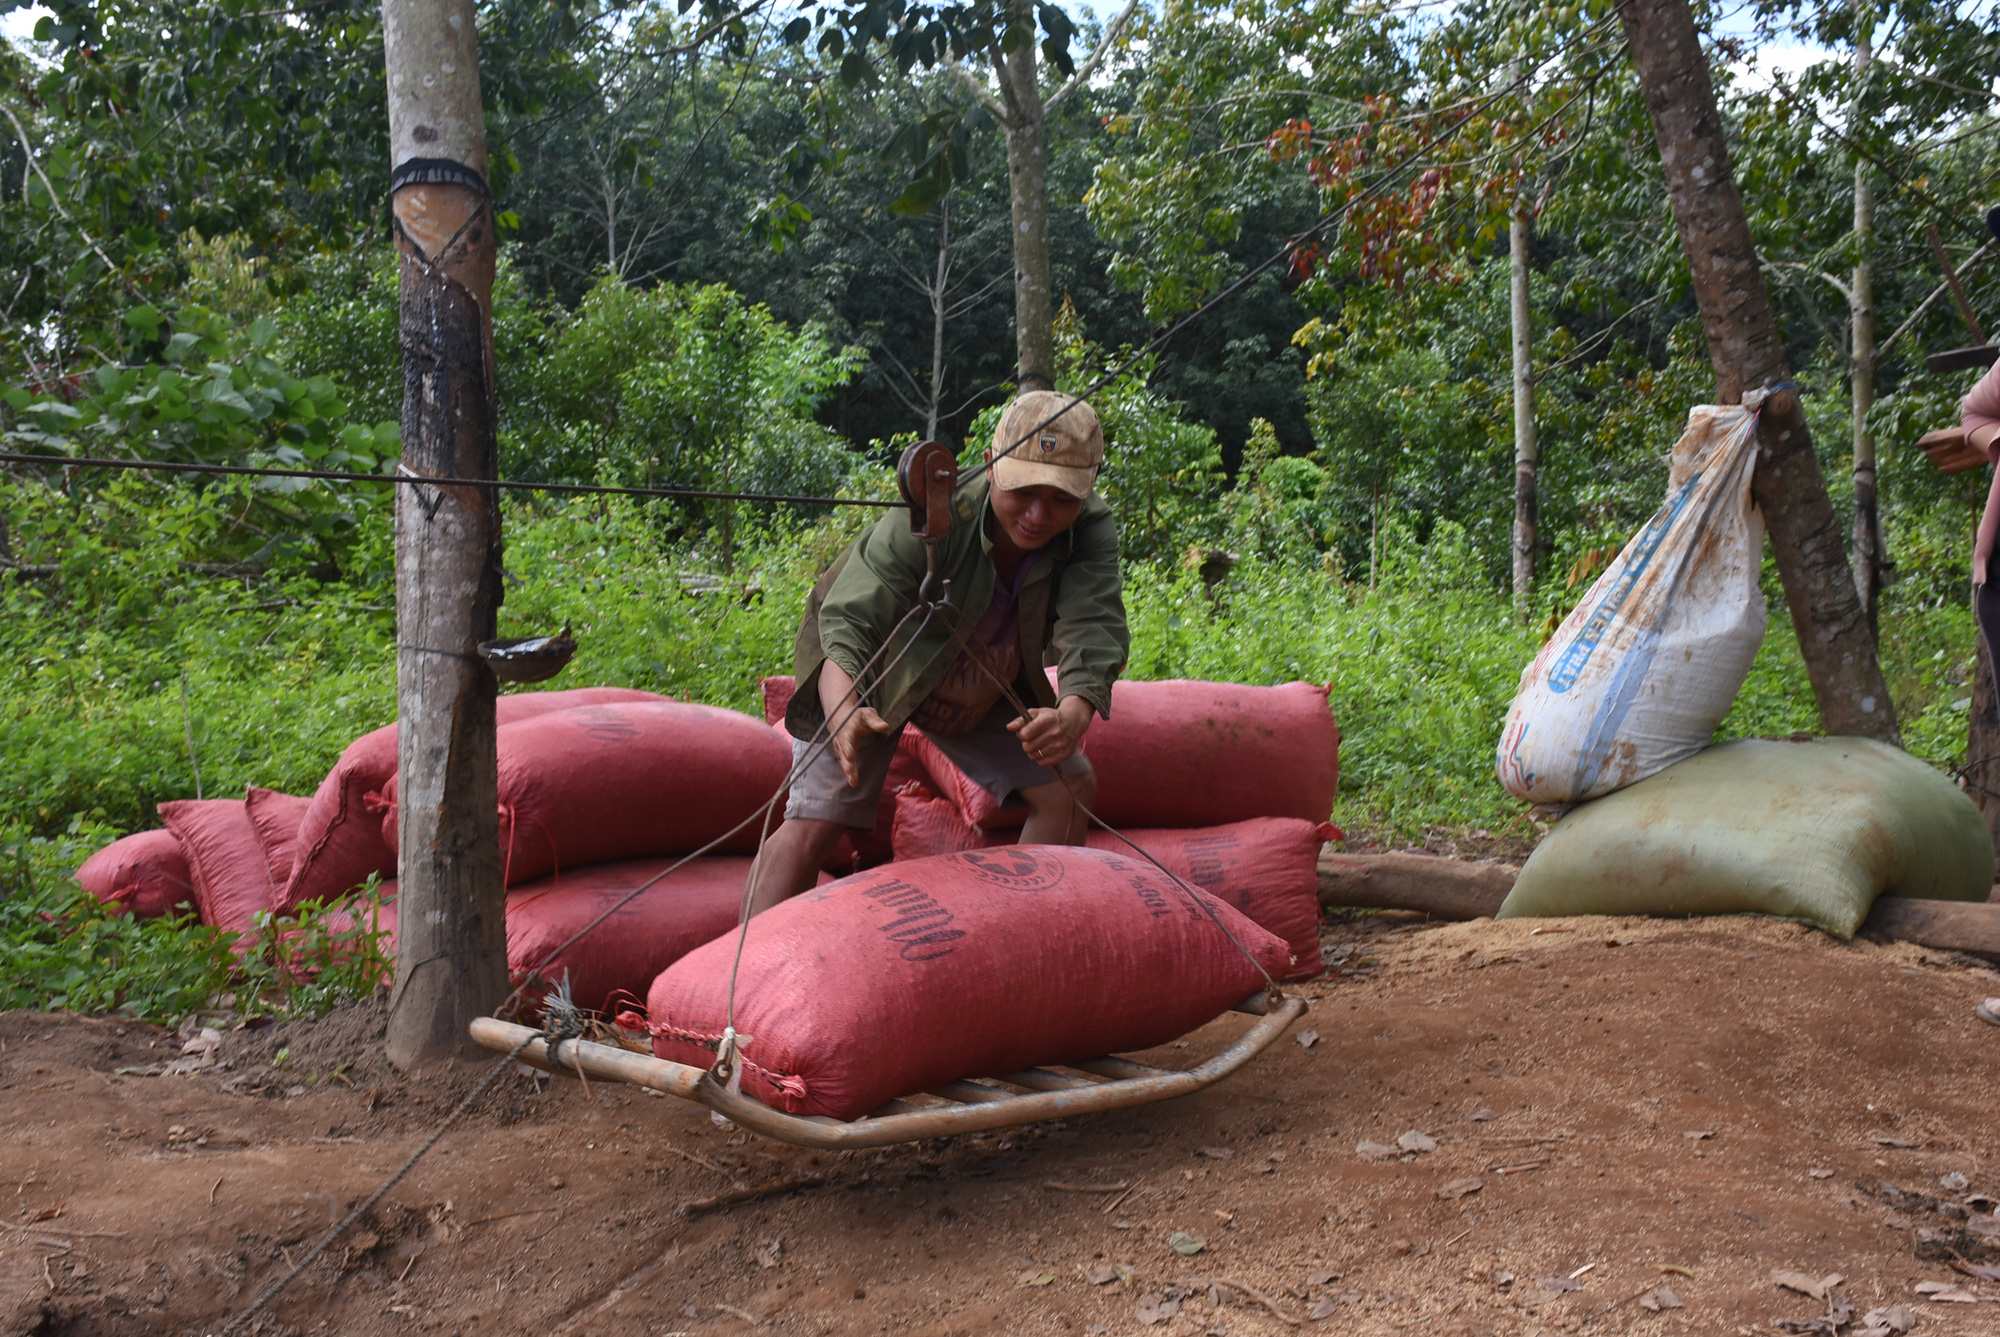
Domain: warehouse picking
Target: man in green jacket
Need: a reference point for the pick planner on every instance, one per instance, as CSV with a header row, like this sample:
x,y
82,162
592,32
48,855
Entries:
x,y
1032,557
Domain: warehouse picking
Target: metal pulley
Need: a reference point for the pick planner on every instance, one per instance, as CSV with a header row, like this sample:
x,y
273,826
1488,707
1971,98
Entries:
x,y
927,475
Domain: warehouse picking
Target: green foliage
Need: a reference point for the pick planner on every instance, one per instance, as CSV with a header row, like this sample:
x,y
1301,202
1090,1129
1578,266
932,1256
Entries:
x,y
680,388
1423,669
61,949
200,389
307,963
116,616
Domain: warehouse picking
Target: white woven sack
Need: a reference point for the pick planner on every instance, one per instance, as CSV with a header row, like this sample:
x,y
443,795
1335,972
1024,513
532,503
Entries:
x,y
1645,667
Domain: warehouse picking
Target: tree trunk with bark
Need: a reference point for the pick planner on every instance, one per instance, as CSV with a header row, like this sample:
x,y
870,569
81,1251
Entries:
x,y
1868,551
1744,346
1868,547
1028,197
1527,460
1982,743
451,950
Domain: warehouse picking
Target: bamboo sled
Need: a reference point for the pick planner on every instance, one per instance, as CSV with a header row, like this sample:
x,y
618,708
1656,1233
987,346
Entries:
x,y
965,1106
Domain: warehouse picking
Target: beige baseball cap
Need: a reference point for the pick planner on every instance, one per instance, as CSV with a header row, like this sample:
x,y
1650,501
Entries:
x,y
1066,452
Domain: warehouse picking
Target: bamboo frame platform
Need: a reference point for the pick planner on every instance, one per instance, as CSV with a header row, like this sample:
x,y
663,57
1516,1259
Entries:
x,y
966,1106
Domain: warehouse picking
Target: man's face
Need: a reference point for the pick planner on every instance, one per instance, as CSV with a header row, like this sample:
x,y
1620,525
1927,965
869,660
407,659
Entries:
x,y
1031,516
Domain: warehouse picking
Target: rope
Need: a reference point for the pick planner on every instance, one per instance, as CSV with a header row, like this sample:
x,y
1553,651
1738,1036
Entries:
x,y
270,1292
821,739
1200,899
334,475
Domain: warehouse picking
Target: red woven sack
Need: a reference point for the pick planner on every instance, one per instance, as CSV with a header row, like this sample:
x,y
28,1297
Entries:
x,y
339,842
777,692
900,978
232,882
145,872
277,818
927,825
605,783
1267,867
1185,753
671,918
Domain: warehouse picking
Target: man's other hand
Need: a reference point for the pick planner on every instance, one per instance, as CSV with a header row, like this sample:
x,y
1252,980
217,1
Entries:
x,y
846,742
1049,737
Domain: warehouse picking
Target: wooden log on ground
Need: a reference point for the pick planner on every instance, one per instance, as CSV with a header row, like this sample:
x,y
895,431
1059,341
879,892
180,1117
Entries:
x,y
1454,889
1948,926
1441,888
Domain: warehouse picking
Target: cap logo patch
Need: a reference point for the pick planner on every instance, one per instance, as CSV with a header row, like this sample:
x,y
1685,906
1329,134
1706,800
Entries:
x,y
1048,443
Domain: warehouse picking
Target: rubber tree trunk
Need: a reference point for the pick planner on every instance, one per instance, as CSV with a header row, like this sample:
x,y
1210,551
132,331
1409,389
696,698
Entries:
x,y
451,949
1982,746
1526,456
1868,552
1744,346
1028,195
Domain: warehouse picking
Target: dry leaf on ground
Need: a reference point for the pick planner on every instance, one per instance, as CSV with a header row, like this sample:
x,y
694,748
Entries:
x,y
1459,1188
1817,1288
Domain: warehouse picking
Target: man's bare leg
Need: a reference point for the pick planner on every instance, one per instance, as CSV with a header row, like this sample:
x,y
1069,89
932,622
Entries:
x,y
792,859
1054,817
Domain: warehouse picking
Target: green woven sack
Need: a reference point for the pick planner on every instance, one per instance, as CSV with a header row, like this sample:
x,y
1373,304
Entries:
x,y
1811,830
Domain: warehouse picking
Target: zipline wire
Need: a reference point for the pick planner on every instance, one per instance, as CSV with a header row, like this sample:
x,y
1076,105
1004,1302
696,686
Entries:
x,y
1290,247
404,476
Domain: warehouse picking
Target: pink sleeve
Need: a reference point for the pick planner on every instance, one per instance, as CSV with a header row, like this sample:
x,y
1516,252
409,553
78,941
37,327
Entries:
x,y
1981,408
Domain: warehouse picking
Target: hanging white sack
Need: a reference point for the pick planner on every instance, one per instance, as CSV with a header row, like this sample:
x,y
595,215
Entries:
x,y
1647,664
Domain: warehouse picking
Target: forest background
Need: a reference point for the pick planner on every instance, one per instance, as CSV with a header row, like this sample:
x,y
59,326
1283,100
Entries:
x,y
756,249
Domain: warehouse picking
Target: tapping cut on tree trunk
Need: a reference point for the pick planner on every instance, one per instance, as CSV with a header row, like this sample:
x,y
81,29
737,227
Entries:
x,y
451,959
1744,346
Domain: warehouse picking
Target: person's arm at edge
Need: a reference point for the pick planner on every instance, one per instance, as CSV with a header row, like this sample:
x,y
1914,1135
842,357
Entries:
x,y
1979,415
1091,639
873,591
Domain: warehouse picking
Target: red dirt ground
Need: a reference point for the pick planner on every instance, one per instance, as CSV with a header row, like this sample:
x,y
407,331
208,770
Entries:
x,y
1832,1087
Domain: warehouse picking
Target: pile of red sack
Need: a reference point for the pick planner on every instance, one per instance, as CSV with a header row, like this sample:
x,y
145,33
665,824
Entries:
x,y
602,789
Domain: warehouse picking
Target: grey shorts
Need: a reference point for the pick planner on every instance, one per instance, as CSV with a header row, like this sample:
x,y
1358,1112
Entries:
x,y
991,756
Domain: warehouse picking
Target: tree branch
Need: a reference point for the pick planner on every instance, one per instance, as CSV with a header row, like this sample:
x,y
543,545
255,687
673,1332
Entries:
x,y
981,94
1776,265
1096,58
55,199
1883,349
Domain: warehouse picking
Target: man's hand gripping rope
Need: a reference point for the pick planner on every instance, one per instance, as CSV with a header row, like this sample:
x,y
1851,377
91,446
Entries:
x,y
1031,718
